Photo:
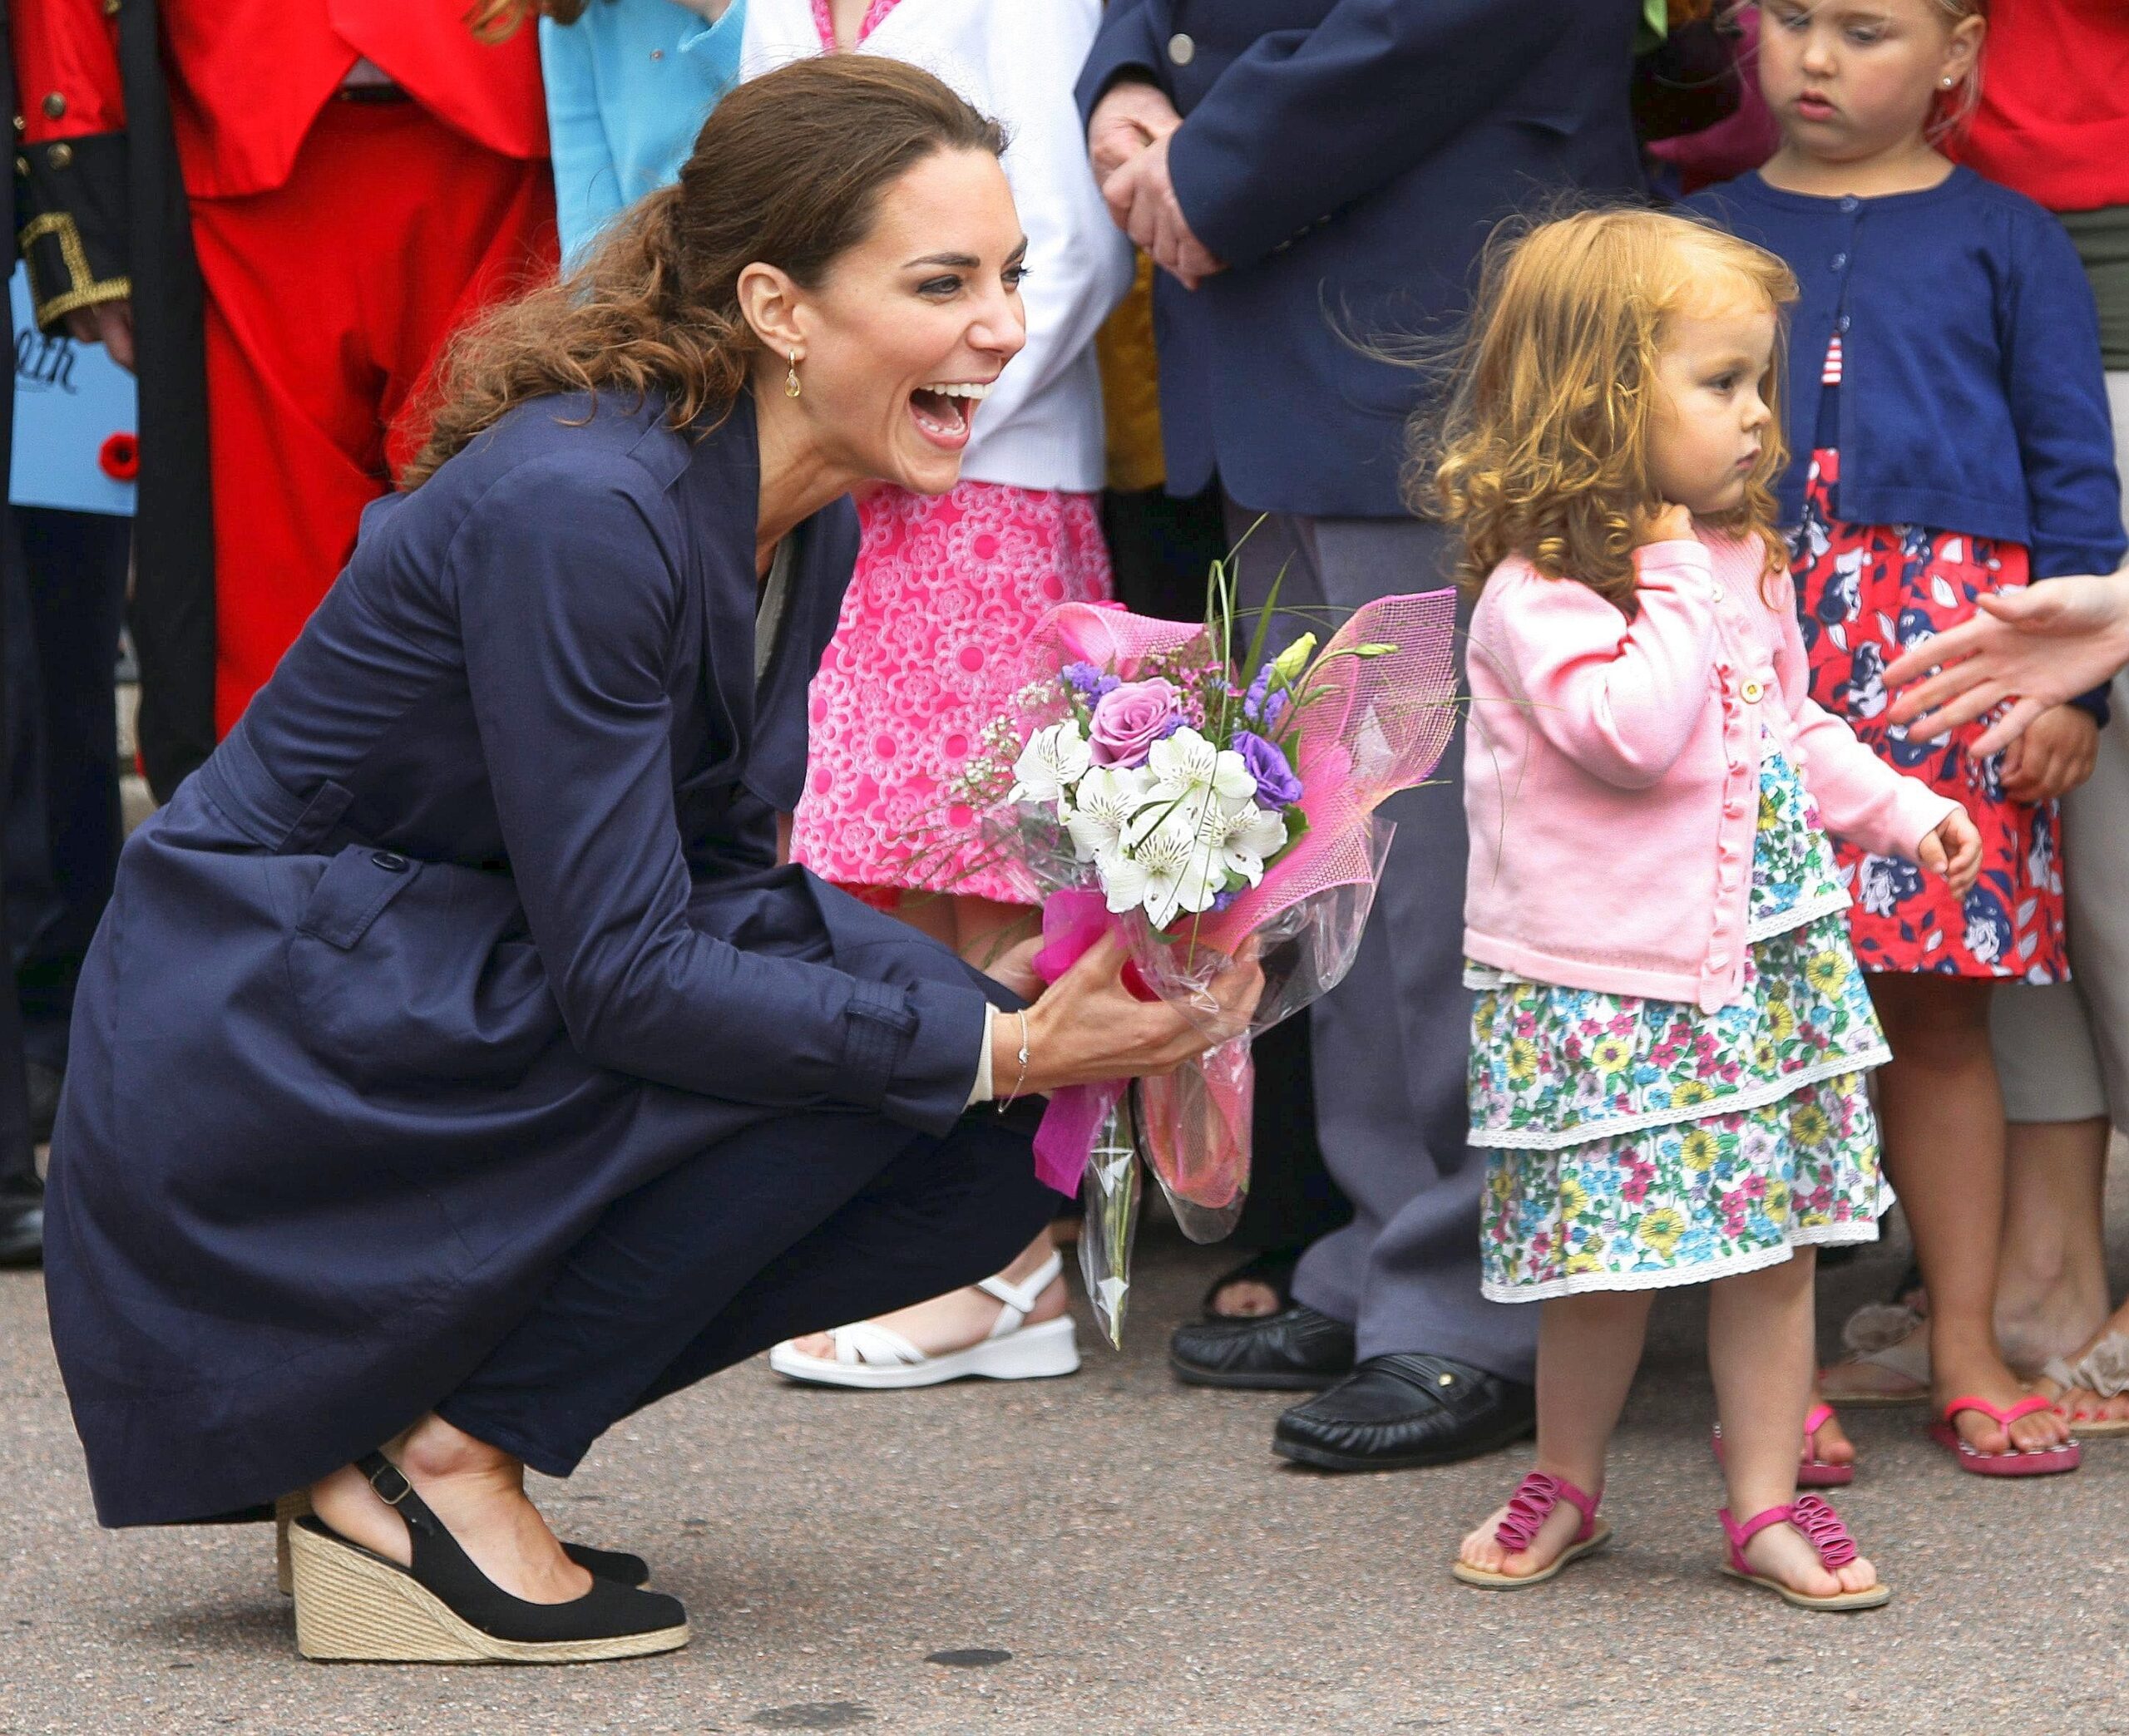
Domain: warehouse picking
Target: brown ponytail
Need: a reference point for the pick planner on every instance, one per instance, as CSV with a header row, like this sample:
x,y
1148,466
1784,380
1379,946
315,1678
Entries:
x,y
788,171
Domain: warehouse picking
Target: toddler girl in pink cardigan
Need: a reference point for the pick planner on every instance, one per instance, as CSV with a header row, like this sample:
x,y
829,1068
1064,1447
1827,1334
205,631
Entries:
x,y
1670,1033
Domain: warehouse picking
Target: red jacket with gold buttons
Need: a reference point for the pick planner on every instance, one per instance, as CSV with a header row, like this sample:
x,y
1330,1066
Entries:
x,y
246,79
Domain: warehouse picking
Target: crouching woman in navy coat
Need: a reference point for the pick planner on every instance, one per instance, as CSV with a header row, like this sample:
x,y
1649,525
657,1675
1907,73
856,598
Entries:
x,y
458,1069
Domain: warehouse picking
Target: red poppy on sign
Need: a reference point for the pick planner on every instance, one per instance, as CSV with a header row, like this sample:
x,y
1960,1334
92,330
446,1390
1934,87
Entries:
x,y
119,457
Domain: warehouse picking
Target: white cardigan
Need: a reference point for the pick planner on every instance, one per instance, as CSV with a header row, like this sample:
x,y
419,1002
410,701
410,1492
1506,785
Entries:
x,y
1014,60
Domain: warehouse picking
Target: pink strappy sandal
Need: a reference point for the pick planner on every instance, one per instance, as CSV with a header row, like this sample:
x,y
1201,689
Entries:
x,y
1528,1508
2041,1461
1822,1529
1812,1471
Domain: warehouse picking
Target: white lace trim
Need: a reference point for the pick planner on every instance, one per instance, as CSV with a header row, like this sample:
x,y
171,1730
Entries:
x,y
1705,1271
1797,916
1754,1095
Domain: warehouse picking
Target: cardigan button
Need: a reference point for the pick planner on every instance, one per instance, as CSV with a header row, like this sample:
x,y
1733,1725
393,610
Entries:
x,y
391,861
1850,202
1842,322
1181,50
1841,261
1752,693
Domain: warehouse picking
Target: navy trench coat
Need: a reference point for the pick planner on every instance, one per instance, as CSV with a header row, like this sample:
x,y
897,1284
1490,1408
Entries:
x,y
472,925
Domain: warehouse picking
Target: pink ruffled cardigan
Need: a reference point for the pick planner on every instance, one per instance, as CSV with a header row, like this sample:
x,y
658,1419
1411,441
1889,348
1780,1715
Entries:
x,y
1611,770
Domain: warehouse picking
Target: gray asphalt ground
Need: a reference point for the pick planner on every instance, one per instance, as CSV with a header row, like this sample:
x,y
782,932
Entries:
x,y
1115,1553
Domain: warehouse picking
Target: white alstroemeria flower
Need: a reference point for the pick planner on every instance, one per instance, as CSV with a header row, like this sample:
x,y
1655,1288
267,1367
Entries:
x,y
1104,802
1171,868
1243,837
1188,765
1054,760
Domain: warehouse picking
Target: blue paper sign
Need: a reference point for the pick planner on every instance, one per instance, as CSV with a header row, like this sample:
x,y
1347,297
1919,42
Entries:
x,y
70,399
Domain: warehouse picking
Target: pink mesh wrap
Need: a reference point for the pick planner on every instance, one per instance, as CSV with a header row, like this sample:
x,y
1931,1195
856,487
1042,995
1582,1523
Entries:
x,y
1374,725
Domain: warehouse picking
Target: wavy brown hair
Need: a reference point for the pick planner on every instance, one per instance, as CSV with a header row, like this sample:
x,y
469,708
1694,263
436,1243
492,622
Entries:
x,y
788,171
1543,449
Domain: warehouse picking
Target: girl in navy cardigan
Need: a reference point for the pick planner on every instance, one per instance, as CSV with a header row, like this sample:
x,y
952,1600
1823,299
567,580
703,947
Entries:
x,y
1948,412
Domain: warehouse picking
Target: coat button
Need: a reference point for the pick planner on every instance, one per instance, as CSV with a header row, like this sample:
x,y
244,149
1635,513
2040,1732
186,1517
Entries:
x,y
1752,693
1181,50
60,155
391,861
55,105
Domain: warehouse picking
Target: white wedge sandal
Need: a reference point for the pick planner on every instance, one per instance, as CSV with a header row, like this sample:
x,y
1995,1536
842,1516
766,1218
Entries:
x,y
875,1356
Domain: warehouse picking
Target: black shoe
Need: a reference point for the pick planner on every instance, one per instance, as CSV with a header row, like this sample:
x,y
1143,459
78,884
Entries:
x,y
22,1227
44,1083
616,1564
353,1604
1285,1352
1405,1410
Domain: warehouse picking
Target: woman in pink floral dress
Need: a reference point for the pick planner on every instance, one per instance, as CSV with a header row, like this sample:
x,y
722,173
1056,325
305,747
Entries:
x,y
948,588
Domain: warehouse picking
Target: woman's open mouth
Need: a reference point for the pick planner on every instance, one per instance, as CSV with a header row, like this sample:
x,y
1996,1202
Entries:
x,y
943,413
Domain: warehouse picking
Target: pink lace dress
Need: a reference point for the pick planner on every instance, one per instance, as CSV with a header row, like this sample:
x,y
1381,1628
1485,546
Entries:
x,y
925,654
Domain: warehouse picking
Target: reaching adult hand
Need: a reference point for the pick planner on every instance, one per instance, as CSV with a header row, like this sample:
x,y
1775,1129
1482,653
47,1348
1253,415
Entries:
x,y
110,323
1141,197
1087,1027
2036,647
1131,115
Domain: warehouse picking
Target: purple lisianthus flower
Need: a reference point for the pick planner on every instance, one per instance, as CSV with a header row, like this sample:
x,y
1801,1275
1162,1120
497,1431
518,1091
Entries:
x,y
1253,701
1089,681
1276,785
1222,902
1129,718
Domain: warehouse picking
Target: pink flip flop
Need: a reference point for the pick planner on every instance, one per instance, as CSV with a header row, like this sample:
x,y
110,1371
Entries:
x,y
1812,1471
1822,1529
1528,1508
2043,1462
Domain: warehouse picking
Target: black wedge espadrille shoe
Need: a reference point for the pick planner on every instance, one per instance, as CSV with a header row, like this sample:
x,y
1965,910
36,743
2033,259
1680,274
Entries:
x,y
353,1606
616,1564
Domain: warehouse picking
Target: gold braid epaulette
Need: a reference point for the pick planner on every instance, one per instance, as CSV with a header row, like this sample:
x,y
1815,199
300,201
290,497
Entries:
x,y
83,290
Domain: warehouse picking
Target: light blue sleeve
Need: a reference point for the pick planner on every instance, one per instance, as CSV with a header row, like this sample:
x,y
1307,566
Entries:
x,y
711,55
587,187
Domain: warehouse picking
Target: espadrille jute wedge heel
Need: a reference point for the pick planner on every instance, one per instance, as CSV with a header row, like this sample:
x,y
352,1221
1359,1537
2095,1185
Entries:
x,y
352,1606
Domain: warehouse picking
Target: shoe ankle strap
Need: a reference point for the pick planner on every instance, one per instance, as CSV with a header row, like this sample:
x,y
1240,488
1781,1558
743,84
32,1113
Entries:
x,y
1021,1299
393,1489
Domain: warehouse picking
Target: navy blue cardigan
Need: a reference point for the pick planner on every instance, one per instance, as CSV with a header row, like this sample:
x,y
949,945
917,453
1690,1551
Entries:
x,y
1972,397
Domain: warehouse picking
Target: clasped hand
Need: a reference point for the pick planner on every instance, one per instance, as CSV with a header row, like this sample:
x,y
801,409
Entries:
x,y
1088,1028
1127,143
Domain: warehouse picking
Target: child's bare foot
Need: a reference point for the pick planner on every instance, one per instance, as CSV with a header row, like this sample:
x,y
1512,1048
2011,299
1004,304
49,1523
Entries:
x,y
1987,1377
1483,1549
1784,1553
1828,1444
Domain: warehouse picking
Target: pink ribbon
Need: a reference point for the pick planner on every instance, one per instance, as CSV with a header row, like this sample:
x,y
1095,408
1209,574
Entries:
x,y
1072,923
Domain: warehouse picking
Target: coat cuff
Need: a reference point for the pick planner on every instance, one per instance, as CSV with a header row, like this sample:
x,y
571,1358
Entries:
x,y
74,243
912,1053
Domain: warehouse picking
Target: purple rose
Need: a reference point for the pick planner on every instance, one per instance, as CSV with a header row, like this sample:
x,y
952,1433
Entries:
x,y
1128,719
1276,785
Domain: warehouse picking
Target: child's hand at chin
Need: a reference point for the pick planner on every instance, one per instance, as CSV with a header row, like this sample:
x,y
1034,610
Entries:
x,y
1666,523
1953,851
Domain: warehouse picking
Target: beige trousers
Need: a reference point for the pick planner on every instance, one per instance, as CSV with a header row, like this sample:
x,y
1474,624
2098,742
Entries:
x,y
2062,1051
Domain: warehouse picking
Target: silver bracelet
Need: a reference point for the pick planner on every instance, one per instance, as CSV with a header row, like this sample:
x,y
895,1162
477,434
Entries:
x,y
1023,1059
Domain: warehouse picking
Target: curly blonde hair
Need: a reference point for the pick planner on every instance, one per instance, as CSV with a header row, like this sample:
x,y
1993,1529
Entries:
x,y
1543,449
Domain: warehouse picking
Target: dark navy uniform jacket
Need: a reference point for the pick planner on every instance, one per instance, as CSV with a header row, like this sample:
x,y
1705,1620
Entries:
x,y
1347,159
473,924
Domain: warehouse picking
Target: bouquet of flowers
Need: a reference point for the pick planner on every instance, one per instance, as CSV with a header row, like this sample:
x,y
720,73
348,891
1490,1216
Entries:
x,y
1149,781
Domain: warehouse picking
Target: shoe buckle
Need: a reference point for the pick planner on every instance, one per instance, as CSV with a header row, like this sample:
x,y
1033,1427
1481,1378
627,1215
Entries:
x,y
389,1474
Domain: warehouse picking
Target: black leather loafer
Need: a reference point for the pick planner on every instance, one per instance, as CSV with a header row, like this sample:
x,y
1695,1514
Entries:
x,y
22,1227
1399,1412
1294,1350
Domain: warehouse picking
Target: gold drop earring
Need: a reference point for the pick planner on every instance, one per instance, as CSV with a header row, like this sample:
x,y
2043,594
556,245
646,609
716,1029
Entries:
x,y
792,388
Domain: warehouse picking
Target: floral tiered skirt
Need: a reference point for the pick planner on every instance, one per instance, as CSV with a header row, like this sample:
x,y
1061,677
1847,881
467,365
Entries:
x,y
1634,1143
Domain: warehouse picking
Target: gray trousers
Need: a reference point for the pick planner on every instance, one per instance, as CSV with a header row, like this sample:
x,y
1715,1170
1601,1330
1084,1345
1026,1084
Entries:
x,y
1392,1040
